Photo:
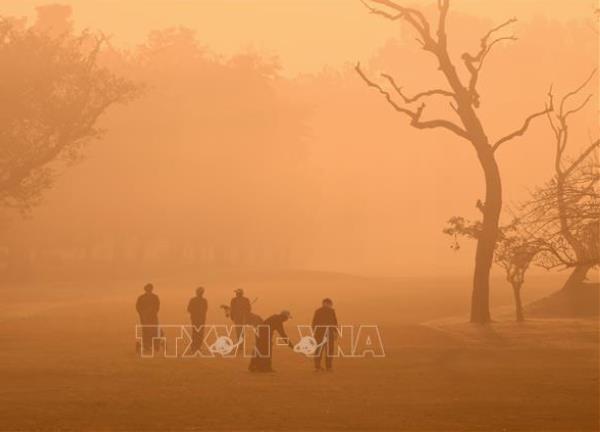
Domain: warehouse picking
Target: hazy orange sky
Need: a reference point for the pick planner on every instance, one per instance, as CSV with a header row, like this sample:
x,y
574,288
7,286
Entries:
x,y
392,186
306,35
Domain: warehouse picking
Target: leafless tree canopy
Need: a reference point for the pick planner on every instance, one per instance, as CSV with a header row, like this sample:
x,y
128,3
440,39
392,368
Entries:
x,y
564,213
463,94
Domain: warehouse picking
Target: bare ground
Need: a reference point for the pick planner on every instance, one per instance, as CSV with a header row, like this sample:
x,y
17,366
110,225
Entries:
x,y
69,364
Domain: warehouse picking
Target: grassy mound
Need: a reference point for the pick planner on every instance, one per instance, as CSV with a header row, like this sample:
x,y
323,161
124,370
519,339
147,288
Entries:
x,y
577,302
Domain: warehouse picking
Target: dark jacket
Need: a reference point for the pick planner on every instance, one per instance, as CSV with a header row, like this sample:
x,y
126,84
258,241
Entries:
x,y
147,306
197,308
275,323
240,309
324,321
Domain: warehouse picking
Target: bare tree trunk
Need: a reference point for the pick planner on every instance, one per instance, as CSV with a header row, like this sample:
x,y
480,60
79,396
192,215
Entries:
x,y
579,273
577,277
486,243
518,304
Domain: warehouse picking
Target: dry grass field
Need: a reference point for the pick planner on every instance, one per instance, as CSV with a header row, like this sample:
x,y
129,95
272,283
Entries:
x,y
68,364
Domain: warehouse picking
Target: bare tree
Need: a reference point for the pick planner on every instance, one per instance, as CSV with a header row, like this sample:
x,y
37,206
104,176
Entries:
x,y
464,99
564,213
514,254
558,225
53,92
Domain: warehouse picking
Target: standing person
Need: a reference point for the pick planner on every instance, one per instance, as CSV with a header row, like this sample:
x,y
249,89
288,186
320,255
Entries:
x,y
147,306
262,360
197,308
240,309
325,325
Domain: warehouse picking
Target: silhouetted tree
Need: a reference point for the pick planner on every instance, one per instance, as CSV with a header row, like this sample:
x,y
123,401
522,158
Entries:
x,y
564,213
465,100
558,225
53,91
514,252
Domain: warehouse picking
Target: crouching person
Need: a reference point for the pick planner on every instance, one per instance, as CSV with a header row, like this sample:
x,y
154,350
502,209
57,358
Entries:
x,y
263,352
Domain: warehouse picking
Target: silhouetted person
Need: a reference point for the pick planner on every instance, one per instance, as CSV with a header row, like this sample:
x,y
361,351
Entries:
x,y
325,325
262,360
197,308
147,307
240,309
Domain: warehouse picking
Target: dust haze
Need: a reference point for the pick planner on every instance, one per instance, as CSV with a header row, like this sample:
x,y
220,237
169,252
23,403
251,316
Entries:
x,y
431,167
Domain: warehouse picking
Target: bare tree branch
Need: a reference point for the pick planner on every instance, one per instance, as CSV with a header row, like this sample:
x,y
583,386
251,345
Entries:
x,y
413,16
415,116
582,157
415,98
382,13
574,92
474,63
385,93
548,114
521,130
578,108
560,125
443,6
